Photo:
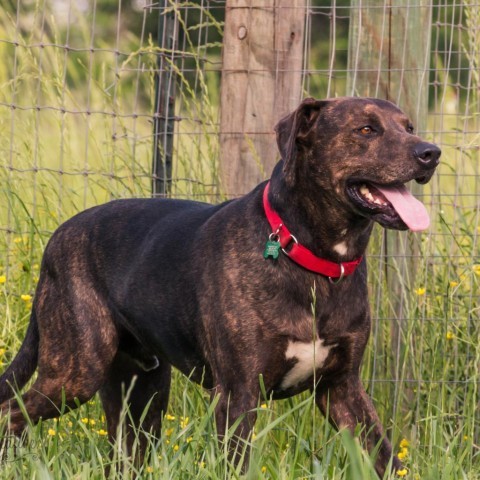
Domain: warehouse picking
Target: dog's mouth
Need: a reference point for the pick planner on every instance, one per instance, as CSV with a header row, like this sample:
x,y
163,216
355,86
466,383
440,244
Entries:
x,y
393,206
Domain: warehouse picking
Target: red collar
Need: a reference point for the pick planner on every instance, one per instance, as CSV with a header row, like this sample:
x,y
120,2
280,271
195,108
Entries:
x,y
300,254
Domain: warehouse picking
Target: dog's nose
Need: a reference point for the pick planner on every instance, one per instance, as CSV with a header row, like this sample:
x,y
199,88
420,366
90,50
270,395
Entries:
x,y
427,154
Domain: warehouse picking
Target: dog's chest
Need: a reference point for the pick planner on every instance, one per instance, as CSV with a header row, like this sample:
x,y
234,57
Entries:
x,y
307,358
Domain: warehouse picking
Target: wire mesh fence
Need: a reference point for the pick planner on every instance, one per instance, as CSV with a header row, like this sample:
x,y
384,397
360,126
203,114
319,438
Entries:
x,y
115,99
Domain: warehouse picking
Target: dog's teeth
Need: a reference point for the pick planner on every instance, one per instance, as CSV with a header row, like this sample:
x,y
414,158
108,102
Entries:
x,y
364,190
366,193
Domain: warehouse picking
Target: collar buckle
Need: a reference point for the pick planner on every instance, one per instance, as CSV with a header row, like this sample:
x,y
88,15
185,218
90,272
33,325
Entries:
x,y
340,278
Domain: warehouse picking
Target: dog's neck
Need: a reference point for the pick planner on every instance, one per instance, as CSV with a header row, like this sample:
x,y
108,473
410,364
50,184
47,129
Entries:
x,y
319,223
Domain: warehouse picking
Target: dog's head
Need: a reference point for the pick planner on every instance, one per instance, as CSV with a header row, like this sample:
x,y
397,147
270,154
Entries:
x,y
362,151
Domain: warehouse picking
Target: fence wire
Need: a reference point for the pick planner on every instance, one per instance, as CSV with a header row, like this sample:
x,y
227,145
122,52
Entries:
x,y
78,108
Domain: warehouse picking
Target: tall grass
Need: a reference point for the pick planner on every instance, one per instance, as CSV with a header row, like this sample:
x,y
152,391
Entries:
x,y
84,147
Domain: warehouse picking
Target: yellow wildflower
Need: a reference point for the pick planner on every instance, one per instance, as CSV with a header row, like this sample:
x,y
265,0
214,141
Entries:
x,y
264,469
201,464
102,432
91,422
420,291
84,420
26,297
170,417
404,443
175,448
17,240
52,432
263,405
149,469
453,284
189,439
3,278
402,472
2,352
476,269
184,422
402,454
169,431
450,336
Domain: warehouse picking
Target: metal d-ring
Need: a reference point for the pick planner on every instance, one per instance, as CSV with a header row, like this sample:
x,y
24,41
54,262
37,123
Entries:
x,y
340,278
294,240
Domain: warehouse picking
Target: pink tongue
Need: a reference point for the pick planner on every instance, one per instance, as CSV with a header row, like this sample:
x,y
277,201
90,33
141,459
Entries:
x,y
410,210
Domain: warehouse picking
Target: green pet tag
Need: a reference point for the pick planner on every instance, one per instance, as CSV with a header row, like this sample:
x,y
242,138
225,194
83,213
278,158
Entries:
x,y
272,249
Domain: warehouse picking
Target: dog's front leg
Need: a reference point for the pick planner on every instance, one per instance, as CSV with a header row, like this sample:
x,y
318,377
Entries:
x,y
230,409
347,405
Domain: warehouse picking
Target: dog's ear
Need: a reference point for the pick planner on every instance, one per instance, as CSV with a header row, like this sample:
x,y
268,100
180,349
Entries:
x,y
295,132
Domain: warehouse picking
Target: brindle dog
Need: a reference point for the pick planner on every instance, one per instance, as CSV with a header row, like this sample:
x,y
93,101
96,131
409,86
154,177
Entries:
x,y
130,288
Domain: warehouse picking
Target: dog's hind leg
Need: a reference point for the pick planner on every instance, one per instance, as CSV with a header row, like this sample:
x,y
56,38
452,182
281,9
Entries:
x,y
145,392
77,341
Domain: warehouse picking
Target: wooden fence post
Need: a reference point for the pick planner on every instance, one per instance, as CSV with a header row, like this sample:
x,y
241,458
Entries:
x,y
389,53
389,57
261,82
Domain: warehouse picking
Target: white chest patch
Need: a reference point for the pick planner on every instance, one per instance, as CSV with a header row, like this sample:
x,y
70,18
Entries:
x,y
341,248
310,356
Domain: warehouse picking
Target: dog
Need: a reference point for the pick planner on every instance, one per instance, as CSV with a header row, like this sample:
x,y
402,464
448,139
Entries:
x,y
224,293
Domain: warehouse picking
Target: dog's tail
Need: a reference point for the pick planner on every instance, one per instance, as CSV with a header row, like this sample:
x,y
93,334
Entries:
x,y
23,365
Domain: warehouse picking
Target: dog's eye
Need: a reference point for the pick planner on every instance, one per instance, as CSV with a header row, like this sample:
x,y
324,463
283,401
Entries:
x,y
410,128
366,130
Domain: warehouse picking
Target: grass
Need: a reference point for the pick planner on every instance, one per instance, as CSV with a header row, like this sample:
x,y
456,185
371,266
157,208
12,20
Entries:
x,y
421,365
